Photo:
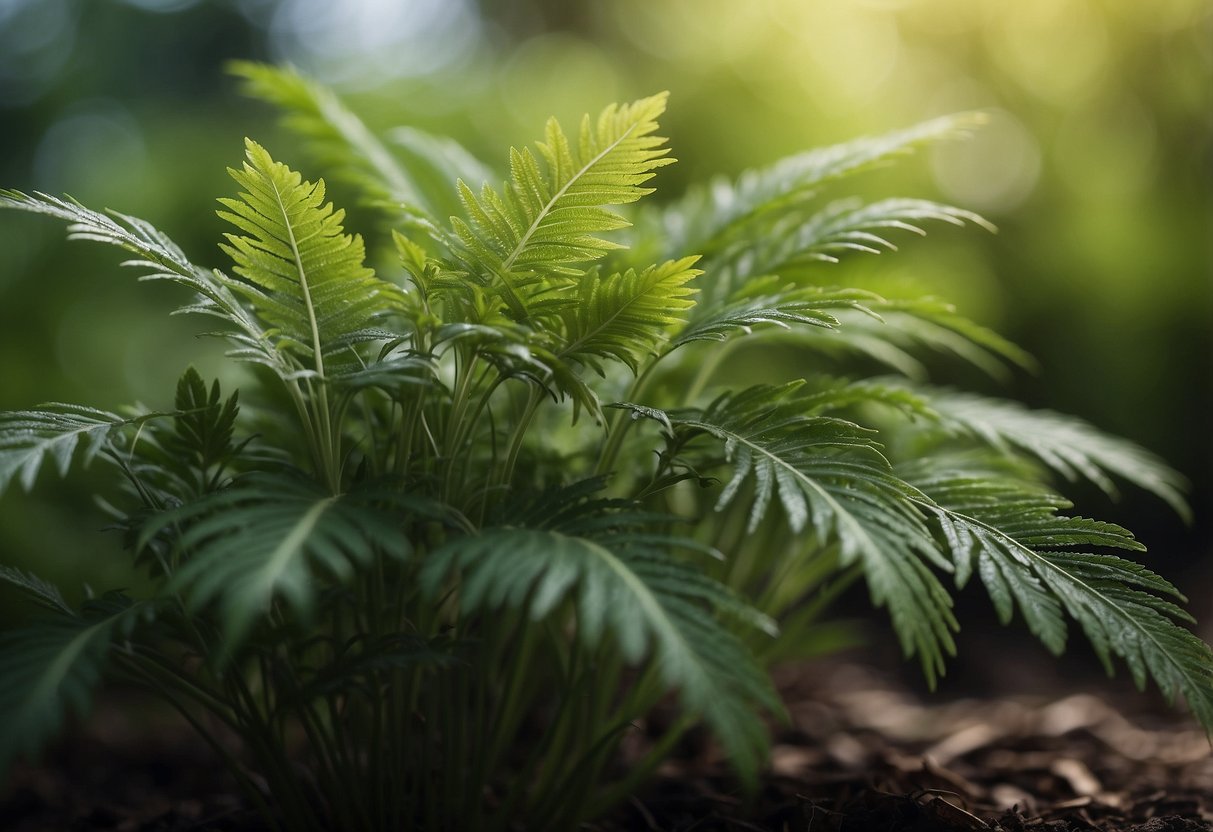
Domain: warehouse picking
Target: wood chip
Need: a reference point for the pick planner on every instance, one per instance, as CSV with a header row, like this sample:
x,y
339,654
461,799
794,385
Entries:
x,y
1076,773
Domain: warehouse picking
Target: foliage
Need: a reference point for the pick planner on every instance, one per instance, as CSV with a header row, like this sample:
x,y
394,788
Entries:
x,y
434,555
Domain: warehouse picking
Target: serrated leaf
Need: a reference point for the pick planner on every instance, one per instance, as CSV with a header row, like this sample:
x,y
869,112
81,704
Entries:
x,y
546,220
621,580
831,478
302,274
29,437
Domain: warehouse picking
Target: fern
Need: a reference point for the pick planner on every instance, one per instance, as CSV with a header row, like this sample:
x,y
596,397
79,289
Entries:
x,y
341,142
623,316
709,218
49,670
621,579
787,309
265,539
303,275
159,258
790,242
1030,557
545,222
829,476
1067,445
410,558
41,592
29,437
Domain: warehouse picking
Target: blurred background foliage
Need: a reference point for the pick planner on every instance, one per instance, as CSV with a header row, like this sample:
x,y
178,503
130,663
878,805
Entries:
x,y
1095,165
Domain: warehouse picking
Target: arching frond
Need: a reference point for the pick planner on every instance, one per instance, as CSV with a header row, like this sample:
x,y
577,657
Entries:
x,y
339,139
626,315
341,142
830,477
159,258
709,218
29,437
545,221
1068,445
43,593
792,240
896,333
50,668
617,572
268,538
303,275
789,308
1030,557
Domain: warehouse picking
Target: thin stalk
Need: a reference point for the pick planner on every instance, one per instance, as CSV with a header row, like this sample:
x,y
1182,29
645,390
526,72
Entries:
x,y
506,473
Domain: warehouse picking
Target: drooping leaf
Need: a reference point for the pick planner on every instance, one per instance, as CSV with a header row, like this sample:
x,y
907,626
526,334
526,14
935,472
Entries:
x,y
55,431
620,577
1030,557
830,477
159,258
50,668
41,592
710,218
1068,445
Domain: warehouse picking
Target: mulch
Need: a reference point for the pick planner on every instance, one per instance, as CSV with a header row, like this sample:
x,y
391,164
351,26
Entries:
x,y
860,752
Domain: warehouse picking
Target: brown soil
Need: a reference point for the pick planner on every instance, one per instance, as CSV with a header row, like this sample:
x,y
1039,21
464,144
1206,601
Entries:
x,y
859,753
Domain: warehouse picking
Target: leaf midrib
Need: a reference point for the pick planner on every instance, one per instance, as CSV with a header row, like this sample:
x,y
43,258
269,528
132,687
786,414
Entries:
x,y
303,281
547,209
1037,558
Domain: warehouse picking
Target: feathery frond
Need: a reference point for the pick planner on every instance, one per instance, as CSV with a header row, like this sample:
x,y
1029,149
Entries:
x,y
626,315
830,476
789,308
1029,556
708,218
29,437
156,255
303,274
793,240
43,593
415,189
266,538
546,221
1068,445
617,572
49,669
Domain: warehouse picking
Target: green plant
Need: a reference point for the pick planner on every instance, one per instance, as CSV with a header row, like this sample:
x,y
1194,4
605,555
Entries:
x,y
432,565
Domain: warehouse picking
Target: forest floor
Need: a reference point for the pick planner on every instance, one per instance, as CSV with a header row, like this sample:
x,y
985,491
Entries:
x,y
861,751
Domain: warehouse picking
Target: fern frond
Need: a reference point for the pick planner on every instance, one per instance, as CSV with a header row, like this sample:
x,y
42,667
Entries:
x,y
620,578
789,308
830,476
626,315
29,437
546,221
264,538
1029,556
895,333
302,273
341,142
159,258
791,241
1067,445
49,669
43,593
709,218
